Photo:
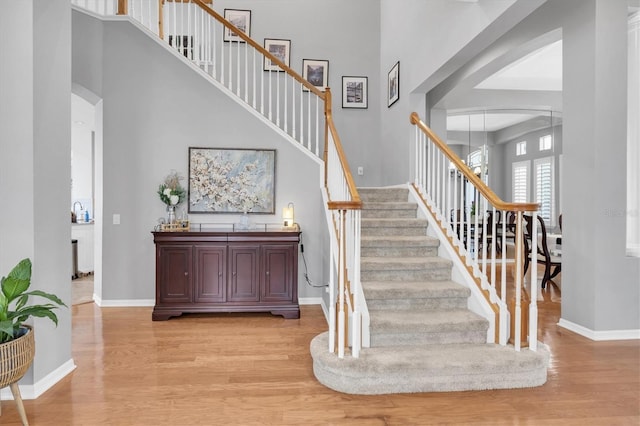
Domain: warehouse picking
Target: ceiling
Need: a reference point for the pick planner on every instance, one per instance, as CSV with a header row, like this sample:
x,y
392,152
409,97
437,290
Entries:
x,y
539,70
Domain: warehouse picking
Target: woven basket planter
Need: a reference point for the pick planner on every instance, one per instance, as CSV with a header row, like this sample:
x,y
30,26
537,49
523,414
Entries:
x,y
16,357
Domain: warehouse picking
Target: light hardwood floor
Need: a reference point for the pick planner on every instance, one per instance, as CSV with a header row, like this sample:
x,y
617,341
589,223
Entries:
x,y
255,369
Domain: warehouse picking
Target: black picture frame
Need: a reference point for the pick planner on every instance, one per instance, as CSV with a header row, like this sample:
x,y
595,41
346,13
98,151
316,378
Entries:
x,y
393,85
281,49
316,72
355,92
241,19
224,180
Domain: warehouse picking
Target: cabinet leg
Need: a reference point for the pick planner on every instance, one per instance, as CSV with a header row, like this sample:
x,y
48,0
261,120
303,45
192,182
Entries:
x,y
288,314
164,315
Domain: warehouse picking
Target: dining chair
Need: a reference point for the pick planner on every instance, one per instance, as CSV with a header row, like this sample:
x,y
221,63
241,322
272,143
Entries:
x,y
455,224
552,264
488,227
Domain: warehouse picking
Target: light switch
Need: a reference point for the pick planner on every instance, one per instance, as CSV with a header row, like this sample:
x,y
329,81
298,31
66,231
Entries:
x,y
116,219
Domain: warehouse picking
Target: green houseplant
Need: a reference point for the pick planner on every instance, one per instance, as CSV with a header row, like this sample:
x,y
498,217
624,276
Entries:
x,y
17,343
15,288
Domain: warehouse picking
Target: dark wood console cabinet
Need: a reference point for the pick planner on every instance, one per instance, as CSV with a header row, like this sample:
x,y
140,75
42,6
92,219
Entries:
x,y
240,271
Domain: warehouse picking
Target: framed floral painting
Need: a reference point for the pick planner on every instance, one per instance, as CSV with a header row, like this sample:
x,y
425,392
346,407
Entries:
x,y
231,180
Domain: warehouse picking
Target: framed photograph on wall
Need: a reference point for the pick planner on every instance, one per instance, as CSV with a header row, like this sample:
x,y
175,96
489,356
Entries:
x,y
241,19
231,180
393,91
279,48
316,72
354,92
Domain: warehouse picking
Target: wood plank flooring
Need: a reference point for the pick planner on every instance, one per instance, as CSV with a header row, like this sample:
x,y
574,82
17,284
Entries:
x,y
255,369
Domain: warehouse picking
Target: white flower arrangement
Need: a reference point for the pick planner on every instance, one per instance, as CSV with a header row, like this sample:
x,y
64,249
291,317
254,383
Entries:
x,y
171,192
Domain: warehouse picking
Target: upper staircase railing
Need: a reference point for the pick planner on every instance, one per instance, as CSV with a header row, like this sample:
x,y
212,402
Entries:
x,y
482,241
267,86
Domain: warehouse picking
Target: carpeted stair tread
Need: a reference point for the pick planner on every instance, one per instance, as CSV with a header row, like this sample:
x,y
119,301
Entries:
x,y
402,263
398,241
403,222
413,289
428,368
382,205
383,194
421,321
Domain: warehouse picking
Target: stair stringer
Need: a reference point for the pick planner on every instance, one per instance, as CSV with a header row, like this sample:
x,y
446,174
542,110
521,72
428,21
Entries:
x,y
179,56
477,303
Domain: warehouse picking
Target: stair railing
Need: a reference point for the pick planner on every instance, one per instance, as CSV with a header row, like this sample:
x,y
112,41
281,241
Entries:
x,y
291,103
240,65
441,179
347,306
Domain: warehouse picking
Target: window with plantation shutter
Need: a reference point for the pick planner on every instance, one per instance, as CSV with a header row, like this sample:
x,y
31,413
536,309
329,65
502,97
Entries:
x,y
544,189
546,143
520,182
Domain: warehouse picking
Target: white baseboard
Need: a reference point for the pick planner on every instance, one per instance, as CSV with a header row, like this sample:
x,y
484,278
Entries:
x,y
125,303
600,335
136,303
310,300
37,389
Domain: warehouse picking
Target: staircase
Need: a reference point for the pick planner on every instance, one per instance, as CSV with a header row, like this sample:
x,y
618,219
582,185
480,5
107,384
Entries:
x,y
423,337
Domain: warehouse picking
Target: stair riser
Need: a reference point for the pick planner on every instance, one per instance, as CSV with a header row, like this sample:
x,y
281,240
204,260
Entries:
x,y
415,303
387,214
384,195
379,339
398,251
435,274
381,231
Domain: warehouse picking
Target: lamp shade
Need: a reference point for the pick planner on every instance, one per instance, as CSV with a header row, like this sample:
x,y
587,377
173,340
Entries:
x,y
288,216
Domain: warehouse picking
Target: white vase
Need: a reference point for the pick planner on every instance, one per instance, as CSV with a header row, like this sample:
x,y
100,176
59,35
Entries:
x,y
244,221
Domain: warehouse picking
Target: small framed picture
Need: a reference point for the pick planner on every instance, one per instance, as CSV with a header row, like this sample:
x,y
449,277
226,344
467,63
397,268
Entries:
x,y
241,19
279,48
354,92
316,72
393,92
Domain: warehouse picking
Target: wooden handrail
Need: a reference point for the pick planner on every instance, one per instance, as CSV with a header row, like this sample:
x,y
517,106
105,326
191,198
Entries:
x,y
260,49
491,196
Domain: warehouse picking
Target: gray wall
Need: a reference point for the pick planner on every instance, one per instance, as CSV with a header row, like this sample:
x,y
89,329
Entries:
x,y
35,132
154,108
600,285
346,33
412,32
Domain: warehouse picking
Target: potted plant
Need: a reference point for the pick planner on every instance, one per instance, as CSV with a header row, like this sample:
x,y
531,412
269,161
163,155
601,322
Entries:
x,y
17,344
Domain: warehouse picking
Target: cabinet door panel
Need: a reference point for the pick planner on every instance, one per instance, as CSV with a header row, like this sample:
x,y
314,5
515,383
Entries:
x,y
174,270
243,282
277,272
210,274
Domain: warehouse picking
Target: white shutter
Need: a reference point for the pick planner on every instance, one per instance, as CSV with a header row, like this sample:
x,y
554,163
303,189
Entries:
x,y
520,182
544,189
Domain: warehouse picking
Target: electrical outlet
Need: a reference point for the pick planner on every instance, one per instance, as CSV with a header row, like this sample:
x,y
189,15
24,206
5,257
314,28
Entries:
x,y
116,219
360,171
